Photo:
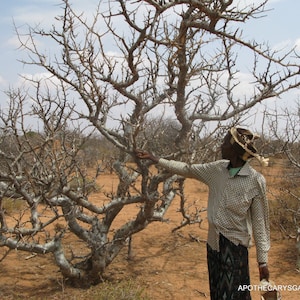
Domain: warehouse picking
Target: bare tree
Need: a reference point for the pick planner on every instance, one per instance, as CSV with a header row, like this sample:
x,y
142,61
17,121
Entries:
x,y
285,130
114,72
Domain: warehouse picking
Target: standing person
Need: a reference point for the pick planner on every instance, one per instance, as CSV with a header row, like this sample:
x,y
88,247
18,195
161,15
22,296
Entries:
x,y
237,207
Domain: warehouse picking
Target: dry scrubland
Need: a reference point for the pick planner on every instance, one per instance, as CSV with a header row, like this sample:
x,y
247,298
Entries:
x,y
162,265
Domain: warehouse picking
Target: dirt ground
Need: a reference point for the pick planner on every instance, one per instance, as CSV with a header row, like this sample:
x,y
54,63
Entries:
x,y
169,265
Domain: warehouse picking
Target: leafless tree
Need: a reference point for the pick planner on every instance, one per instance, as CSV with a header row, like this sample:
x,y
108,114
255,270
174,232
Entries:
x,y
284,128
114,72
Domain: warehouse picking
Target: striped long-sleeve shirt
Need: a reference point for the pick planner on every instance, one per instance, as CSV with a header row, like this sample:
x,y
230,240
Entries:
x,y
237,205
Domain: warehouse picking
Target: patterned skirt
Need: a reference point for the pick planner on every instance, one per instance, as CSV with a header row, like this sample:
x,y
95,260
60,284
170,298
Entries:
x,y
228,271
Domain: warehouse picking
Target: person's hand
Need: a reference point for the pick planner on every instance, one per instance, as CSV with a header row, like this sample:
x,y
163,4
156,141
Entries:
x,y
142,154
264,272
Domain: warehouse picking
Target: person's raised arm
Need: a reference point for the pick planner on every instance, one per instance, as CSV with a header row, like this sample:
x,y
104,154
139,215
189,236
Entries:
x,y
142,154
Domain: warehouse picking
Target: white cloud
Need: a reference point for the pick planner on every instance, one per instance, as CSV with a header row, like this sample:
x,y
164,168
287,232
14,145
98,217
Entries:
x,y
247,3
43,13
35,13
282,46
3,82
297,44
13,41
43,76
273,1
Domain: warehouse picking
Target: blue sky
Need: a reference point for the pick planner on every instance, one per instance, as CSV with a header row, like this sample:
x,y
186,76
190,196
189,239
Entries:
x,y
279,27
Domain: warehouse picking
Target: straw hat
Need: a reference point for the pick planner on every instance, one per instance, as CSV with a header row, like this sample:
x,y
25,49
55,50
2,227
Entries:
x,y
242,141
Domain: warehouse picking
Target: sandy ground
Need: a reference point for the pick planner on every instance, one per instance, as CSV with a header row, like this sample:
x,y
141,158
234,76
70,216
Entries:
x,y
169,265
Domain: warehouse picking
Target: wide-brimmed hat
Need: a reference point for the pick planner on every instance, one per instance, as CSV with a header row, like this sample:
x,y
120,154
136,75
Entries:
x,y
243,142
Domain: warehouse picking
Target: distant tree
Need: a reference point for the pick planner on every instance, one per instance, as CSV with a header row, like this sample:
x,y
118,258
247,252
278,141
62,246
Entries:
x,y
132,62
284,128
